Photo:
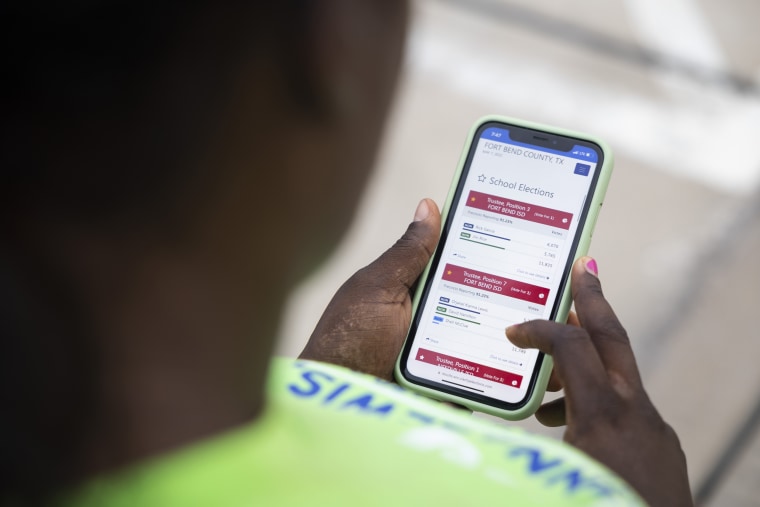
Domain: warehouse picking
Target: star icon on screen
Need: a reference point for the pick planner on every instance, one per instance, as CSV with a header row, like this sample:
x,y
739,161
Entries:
x,y
482,178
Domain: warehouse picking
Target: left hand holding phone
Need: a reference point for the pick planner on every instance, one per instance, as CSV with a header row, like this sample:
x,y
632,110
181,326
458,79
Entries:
x,y
365,324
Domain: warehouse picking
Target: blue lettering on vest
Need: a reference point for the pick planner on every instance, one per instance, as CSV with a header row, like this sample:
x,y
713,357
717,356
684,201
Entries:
x,y
575,479
423,418
535,463
365,404
313,384
572,477
337,392
317,383
384,409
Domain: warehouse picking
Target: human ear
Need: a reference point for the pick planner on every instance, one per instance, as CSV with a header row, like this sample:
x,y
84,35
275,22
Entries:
x,y
348,56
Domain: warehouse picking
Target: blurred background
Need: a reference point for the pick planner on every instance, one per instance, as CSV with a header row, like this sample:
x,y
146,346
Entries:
x,y
674,87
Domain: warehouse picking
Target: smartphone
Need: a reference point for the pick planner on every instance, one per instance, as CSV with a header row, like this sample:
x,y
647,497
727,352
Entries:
x,y
522,207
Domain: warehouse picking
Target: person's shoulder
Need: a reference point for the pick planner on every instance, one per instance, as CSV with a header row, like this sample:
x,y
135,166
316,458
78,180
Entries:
x,y
331,436
362,427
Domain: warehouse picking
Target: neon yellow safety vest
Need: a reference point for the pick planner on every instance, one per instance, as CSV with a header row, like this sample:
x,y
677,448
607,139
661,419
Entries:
x,y
331,437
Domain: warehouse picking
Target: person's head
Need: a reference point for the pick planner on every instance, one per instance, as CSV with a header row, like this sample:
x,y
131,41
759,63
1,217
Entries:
x,y
142,136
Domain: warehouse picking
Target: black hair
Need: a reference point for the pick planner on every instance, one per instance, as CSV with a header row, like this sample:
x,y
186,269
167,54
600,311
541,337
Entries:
x,y
106,100
105,104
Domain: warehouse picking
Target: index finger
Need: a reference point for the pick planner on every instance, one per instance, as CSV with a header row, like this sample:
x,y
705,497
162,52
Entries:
x,y
599,320
576,361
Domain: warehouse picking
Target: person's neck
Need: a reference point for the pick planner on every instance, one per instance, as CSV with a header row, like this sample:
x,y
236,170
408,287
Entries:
x,y
188,344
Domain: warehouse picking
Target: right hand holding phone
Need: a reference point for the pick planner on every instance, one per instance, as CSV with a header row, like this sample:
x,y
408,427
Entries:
x,y
609,415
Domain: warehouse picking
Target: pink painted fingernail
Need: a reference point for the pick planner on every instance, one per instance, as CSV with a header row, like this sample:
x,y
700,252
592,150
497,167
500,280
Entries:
x,y
422,211
591,267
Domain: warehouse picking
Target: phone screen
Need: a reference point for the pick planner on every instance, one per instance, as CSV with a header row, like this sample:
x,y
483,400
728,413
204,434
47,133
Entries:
x,y
505,252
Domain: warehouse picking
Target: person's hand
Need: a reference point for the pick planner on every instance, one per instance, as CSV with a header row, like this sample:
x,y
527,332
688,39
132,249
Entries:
x,y
364,326
609,415
553,413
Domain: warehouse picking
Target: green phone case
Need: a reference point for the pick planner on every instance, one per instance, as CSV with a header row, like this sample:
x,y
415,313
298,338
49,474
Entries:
x,y
587,230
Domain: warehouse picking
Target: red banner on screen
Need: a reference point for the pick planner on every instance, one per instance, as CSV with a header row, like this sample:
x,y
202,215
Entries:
x,y
468,367
521,210
496,284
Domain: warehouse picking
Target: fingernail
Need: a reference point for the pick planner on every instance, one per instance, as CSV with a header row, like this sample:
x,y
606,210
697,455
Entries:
x,y
422,212
513,327
591,267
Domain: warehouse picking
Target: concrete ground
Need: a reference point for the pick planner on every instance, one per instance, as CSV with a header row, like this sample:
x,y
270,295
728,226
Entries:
x,y
674,86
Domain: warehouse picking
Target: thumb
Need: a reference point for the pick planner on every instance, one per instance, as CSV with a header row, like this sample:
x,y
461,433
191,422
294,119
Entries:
x,y
402,264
